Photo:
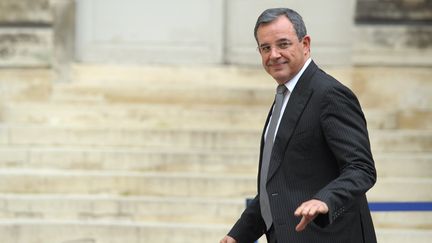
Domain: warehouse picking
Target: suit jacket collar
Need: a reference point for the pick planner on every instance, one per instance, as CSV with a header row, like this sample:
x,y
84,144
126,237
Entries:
x,y
296,104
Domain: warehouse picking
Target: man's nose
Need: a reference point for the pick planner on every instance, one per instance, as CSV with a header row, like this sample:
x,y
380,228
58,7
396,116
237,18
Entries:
x,y
274,53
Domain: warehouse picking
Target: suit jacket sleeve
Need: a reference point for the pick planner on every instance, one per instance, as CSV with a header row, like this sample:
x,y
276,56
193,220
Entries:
x,y
250,226
344,128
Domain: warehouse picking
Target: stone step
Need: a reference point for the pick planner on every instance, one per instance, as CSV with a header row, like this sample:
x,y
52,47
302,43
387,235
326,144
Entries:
x,y
414,119
401,89
403,235
90,75
367,77
126,159
401,140
178,184
396,165
57,231
160,92
179,116
29,84
403,220
156,92
398,119
383,87
135,115
61,231
127,183
160,209
225,139
389,189
132,208
187,160
131,137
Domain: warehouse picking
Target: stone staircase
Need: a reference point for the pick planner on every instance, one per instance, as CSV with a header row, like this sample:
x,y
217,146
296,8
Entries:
x,y
169,154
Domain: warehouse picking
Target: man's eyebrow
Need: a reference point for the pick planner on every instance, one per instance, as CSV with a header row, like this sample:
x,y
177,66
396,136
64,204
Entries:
x,y
277,41
283,40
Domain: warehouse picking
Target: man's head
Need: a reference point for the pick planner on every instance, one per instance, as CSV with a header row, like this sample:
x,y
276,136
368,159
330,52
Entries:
x,y
271,14
282,42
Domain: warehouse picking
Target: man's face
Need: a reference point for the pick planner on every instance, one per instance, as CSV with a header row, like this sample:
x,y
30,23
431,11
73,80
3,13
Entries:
x,y
282,54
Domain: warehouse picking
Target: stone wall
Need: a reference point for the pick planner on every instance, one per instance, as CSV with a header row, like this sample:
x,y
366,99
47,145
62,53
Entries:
x,y
25,33
393,32
394,11
25,12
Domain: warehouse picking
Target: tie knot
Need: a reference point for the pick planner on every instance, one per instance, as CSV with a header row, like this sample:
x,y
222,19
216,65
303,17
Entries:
x,y
281,89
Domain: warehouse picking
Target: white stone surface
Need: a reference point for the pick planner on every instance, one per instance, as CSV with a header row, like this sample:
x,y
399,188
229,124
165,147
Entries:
x,y
134,31
201,32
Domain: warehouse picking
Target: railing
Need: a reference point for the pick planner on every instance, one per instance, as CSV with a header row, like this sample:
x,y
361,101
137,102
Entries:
x,y
400,206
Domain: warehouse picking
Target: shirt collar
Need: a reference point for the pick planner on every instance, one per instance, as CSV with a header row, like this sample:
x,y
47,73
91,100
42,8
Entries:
x,y
292,83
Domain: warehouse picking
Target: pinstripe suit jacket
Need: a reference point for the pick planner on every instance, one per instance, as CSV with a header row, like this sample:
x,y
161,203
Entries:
x,y
321,151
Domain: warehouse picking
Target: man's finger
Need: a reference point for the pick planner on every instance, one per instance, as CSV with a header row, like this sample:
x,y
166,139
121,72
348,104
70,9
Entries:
x,y
323,208
302,210
302,225
298,211
313,211
309,211
311,207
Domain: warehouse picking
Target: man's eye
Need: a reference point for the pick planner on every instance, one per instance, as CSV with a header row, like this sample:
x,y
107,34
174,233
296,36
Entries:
x,y
265,48
283,45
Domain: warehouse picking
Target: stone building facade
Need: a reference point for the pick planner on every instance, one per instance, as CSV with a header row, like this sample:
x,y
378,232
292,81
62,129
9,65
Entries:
x,y
54,33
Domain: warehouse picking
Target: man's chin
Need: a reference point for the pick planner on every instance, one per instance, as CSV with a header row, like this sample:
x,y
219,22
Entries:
x,y
280,78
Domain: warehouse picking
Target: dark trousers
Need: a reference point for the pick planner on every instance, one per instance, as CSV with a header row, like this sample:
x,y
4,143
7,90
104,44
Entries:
x,y
271,235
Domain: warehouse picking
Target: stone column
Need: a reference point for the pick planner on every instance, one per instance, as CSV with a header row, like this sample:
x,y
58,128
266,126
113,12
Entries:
x,y
64,37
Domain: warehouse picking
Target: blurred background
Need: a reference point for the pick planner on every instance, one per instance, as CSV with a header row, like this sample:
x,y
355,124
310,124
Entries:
x,y
139,121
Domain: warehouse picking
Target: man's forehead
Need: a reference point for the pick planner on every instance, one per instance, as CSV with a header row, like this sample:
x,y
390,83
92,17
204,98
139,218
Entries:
x,y
276,28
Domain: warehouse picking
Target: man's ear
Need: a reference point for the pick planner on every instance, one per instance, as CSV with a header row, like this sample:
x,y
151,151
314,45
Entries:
x,y
306,41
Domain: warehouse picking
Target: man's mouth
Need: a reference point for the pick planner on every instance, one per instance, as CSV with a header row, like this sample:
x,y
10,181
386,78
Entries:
x,y
276,65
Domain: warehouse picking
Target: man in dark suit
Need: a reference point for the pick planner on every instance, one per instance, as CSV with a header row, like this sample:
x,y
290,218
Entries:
x,y
320,163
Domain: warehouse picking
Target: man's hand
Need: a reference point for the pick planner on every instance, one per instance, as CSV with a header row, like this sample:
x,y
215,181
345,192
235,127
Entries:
x,y
228,239
309,211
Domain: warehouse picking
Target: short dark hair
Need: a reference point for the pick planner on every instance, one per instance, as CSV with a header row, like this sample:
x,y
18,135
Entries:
x,y
273,13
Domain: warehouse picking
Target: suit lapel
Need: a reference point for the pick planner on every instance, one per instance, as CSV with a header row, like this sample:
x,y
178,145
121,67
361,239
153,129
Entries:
x,y
296,104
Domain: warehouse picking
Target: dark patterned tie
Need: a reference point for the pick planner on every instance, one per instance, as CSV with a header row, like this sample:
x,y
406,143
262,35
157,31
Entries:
x,y
268,146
